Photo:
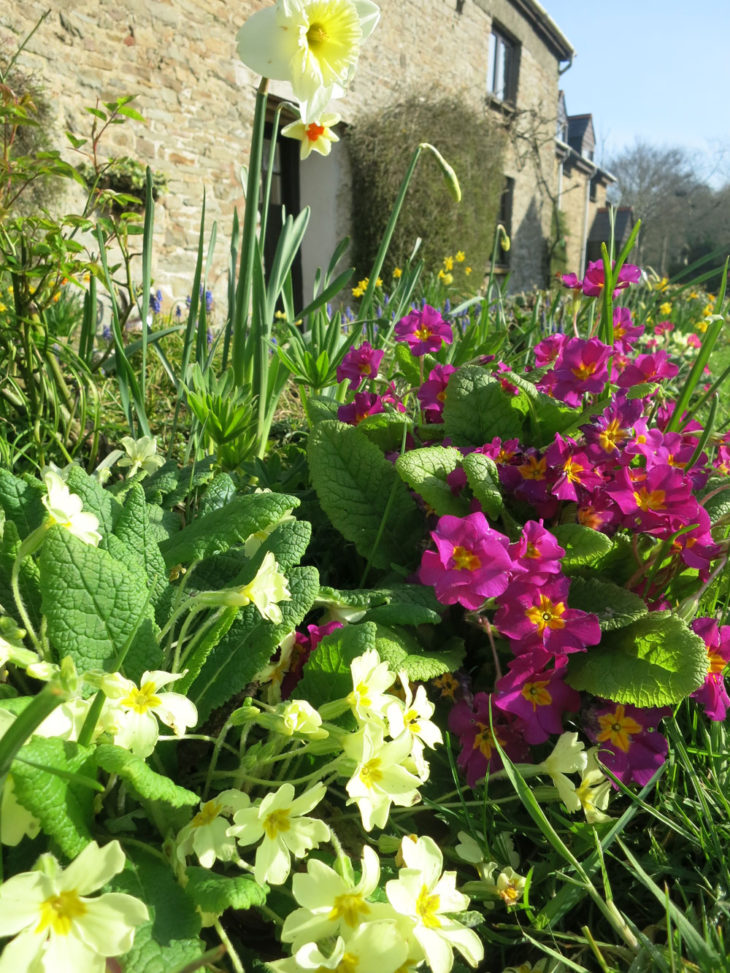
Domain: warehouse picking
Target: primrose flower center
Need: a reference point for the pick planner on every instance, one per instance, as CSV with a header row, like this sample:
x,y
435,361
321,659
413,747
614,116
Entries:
x,y
422,333
547,614
611,436
349,906
411,721
464,559
572,470
371,774
59,911
484,741
533,468
427,906
650,499
208,813
717,663
360,695
618,728
314,131
535,693
584,370
276,822
142,699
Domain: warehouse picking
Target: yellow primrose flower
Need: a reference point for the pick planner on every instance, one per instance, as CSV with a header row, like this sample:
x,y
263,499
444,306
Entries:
x,y
314,136
64,508
312,44
665,308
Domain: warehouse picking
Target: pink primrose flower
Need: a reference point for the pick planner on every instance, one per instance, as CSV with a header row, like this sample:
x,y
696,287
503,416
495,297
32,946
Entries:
x,y
625,332
694,340
547,351
573,468
581,367
539,699
607,434
425,331
595,278
359,364
713,694
536,553
470,564
470,722
647,368
432,394
571,281
658,501
304,646
629,744
364,404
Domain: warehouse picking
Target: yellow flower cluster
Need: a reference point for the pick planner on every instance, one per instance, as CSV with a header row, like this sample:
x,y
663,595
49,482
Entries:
x,y
363,286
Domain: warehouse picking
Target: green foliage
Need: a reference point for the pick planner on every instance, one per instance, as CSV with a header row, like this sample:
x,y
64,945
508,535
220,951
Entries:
x,y
381,146
425,471
477,409
143,781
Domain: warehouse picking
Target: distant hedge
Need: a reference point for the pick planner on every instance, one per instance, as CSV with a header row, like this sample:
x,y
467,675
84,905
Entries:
x,y
381,146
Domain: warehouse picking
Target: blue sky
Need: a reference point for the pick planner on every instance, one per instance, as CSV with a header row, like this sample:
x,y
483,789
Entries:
x,y
658,70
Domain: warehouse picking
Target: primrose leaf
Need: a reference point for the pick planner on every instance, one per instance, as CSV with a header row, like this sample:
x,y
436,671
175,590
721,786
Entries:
x,y
477,409
134,529
327,673
96,608
94,497
21,501
582,545
215,893
361,493
63,806
483,478
615,607
425,471
144,781
655,661
385,429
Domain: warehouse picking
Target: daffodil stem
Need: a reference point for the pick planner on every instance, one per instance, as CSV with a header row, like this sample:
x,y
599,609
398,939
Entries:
x,y
233,955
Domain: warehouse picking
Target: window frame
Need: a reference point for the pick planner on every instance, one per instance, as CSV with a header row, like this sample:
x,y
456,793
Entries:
x,y
503,65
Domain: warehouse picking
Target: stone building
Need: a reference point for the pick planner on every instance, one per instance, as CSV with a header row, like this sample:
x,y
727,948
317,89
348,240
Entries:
x,y
178,58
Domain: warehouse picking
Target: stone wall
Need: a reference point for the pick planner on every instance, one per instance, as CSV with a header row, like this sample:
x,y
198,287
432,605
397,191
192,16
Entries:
x,y
178,58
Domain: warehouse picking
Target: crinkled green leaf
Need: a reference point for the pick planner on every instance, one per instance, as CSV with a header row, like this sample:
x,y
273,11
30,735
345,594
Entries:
x,y
406,604
163,523
363,496
94,497
144,781
349,598
226,527
582,545
288,542
402,651
655,661
616,607
548,416
249,644
477,409
386,429
425,471
21,500
28,576
327,673
220,491
408,364
173,483
214,893
64,808
94,606
717,506
483,478
170,939
133,528
321,407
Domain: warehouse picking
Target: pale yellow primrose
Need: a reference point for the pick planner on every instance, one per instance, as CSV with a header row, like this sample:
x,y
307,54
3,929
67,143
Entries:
x,y
64,508
312,44
57,927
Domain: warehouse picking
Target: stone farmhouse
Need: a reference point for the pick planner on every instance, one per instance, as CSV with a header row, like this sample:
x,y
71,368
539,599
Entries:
x,y
178,58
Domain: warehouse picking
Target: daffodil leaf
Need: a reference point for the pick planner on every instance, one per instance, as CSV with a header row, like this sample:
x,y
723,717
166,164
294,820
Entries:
x,y
170,939
582,545
134,530
249,643
425,471
655,661
144,781
21,501
327,673
63,806
97,610
362,495
226,527
483,478
477,409
615,607
215,893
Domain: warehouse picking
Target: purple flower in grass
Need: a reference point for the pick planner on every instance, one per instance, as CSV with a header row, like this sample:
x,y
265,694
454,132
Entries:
x,y
629,743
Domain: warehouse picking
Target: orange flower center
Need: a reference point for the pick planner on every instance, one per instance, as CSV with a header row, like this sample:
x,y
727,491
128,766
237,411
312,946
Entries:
x,y
535,693
618,728
464,559
650,499
547,614
314,131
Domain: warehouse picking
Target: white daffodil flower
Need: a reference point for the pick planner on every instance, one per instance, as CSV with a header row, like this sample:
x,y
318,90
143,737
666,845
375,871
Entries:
x,y
64,508
380,779
568,757
132,717
265,591
57,926
206,835
331,906
413,716
427,897
311,44
316,136
280,820
141,454
371,679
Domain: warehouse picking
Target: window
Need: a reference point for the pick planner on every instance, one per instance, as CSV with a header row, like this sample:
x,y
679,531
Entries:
x,y
502,67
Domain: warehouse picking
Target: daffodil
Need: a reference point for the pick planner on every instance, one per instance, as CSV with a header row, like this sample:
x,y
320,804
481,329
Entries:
x,y
281,821
206,835
64,508
429,898
132,717
57,926
316,136
311,44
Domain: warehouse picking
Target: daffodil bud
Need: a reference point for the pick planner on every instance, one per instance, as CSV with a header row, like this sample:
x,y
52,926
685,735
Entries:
x,y
449,175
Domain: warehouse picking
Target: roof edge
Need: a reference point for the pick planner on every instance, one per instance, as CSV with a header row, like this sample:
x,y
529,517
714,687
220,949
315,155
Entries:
x,y
544,22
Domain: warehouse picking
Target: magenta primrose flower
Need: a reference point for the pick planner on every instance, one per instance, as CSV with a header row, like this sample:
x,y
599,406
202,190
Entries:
x,y
470,564
647,368
432,394
424,330
625,332
539,699
629,744
470,722
713,693
359,364
303,647
364,404
582,366
536,553
595,278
